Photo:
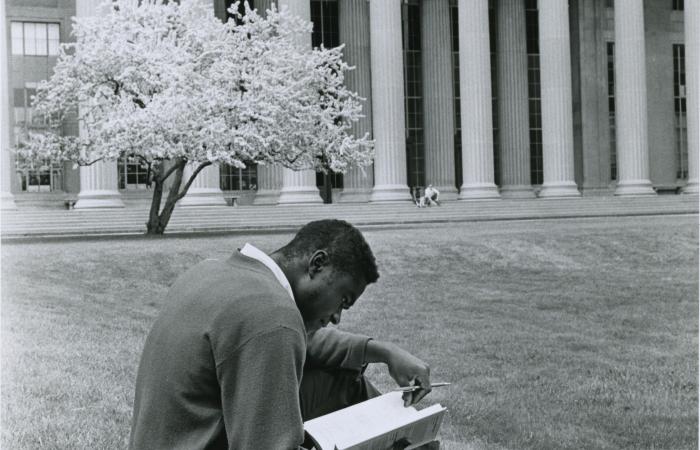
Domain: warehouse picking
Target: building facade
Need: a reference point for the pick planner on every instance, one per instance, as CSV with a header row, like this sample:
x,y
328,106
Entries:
x,y
481,99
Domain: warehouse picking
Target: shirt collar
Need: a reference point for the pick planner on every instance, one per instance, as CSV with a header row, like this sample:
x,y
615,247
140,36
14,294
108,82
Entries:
x,y
257,254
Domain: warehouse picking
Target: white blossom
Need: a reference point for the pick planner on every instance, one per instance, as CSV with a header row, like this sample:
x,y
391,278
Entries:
x,y
170,80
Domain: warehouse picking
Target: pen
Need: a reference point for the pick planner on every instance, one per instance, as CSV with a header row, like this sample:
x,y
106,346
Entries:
x,y
416,387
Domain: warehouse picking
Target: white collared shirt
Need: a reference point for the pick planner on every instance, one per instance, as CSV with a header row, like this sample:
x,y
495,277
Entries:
x,y
255,253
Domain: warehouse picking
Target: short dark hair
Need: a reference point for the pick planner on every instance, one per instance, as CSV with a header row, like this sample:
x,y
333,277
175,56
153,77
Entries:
x,y
346,247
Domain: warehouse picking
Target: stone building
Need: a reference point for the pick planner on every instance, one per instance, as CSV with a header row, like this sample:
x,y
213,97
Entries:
x,y
482,99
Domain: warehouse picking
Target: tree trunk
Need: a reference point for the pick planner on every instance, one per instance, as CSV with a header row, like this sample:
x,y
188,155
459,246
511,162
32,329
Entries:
x,y
153,223
158,219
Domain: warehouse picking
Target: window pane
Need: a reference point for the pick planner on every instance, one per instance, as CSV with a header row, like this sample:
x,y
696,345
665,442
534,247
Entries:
x,y
41,41
30,39
17,44
53,31
54,39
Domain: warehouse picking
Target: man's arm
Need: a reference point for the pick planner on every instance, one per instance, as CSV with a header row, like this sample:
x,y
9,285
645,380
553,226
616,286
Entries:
x,y
330,347
260,391
404,368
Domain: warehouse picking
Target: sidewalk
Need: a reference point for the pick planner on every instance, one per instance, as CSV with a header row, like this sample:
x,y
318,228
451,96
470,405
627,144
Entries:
x,y
30,224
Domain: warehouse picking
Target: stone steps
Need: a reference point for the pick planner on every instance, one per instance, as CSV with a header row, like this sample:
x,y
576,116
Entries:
x,y
47,223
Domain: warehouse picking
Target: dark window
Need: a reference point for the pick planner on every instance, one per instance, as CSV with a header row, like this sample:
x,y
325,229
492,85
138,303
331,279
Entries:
x,y
234,179
680,114
533,81
494,93
454,19
324,15
413,95
241,8
611,109
133,173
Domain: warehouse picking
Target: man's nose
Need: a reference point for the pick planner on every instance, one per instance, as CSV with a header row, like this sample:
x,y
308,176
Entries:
x,y
335,318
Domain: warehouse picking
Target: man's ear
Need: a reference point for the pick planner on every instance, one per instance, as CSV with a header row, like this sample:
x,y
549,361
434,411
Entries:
x,y
317,262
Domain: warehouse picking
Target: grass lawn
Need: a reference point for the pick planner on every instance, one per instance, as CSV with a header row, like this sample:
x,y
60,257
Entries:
x,y
555,334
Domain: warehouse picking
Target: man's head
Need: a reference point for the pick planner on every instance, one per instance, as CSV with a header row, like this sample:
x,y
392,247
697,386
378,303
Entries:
x,y
328,264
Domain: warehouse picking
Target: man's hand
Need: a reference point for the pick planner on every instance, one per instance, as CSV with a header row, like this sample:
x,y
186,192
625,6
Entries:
x,y
404,368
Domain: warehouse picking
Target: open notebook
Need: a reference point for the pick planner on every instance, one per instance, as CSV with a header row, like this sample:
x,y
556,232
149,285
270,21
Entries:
x,y
375,424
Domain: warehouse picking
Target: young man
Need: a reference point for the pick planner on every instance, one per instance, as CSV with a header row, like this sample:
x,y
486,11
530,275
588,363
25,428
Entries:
x,y
222,366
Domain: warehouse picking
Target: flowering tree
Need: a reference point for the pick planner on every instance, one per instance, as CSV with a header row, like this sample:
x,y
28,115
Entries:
x,y
170,84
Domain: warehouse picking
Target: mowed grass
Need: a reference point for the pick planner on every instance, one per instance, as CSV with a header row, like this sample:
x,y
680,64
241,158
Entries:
x,y
555,334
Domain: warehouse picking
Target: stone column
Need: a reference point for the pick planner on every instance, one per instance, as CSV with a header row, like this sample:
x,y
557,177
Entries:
x,y
299,186
7,200
557,106
269,185
205,189
388,114
98,182
438,97
513,118
631,100
354,33
692,47
475,101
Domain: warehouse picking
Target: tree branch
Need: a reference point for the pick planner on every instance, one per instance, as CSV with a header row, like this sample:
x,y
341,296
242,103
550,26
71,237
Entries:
x,y
169,172
91,162
120,86
192,177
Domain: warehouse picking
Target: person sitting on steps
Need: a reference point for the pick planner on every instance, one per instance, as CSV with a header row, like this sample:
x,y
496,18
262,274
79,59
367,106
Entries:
x,y
430,196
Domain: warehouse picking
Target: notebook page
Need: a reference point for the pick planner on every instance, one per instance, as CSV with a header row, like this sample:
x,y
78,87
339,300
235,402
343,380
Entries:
x,y
361,422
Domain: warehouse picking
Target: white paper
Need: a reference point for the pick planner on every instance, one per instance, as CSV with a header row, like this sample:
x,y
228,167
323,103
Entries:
x,y
375,424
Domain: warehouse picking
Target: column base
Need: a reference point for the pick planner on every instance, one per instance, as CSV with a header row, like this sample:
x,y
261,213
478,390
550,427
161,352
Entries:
x,y
355,195
7,201
99,199
299,194
390,193
203,197
559,190
479,191
691,188
634,187
447,193
517,191
266,197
